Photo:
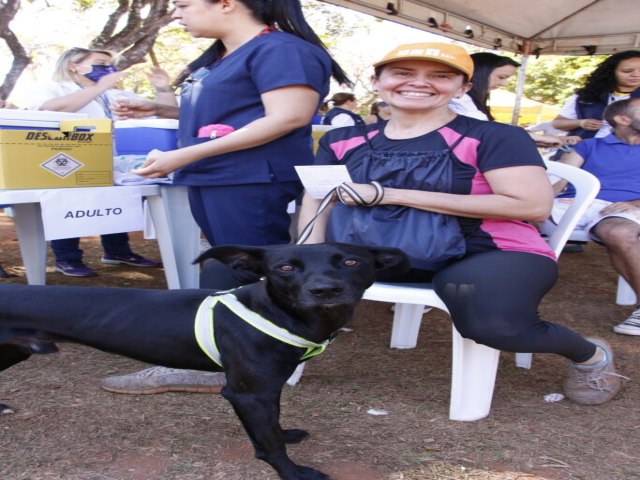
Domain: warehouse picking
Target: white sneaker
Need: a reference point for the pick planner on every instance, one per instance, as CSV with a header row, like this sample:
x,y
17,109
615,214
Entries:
x,y
162,379
631,326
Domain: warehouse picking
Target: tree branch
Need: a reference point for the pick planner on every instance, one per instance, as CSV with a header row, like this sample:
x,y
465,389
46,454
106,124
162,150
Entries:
x,y
8,10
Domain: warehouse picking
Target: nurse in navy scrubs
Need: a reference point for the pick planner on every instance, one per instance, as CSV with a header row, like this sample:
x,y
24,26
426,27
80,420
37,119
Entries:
x,y
265,84
262,80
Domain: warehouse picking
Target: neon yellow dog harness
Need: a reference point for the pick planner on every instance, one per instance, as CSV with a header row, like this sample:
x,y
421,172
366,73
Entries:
x,y
204,326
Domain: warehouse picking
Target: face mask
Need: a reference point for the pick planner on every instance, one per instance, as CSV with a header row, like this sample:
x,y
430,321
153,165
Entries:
x,y
99,71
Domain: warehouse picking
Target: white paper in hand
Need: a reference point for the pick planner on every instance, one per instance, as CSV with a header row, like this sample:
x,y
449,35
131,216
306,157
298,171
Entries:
x,y
318,180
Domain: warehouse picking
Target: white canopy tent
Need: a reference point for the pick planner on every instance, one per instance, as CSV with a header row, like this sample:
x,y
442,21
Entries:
x,y
540,27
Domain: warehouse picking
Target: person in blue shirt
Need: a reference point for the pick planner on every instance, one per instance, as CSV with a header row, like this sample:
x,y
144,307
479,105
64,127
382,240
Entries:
x,y
615,161
257,87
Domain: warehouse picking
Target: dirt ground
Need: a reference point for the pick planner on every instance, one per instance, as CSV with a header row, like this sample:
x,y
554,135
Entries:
x,y
66,428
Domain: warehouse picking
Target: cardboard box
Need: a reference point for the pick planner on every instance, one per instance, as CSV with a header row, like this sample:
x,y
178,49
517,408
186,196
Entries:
x,y
140,136
80,154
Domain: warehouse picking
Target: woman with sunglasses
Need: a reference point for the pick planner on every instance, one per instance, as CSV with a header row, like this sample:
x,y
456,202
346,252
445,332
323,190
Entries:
x,y
245,122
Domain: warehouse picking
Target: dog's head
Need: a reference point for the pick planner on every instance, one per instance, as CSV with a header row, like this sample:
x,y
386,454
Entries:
x,y
306,276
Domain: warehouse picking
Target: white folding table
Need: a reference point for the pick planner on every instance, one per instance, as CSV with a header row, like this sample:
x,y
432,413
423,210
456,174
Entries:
x,y
177,233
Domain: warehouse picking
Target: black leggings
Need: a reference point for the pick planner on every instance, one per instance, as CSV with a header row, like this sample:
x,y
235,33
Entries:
x,y
493,298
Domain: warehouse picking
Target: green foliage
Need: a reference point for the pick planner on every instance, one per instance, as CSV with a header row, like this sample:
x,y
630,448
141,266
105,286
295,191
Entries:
x,y
83,5
552,79
329,22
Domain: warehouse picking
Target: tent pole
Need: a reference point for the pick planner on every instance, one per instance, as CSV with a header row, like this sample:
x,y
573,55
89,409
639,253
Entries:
x,y
522,75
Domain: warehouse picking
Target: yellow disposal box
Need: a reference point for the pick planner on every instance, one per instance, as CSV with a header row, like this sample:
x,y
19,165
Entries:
x,y
80,154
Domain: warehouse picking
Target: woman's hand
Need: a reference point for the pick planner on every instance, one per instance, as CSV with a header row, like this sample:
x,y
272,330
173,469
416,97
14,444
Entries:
x,y
620,207
127,108
159,78
547,140
554,140
159,164
591,124
571,140
109,81
367,192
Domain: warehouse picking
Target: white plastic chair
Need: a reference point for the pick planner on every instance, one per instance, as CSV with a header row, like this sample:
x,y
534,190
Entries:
x,y
474,366
624,294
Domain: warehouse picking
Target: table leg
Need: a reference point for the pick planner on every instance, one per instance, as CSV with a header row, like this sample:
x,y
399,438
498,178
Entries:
x,y
33,247
184,233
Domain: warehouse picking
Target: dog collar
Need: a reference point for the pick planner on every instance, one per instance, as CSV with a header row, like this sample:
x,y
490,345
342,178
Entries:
x,y
204,326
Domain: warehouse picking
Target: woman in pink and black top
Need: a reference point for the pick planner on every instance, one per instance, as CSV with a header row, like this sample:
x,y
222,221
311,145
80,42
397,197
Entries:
x,y
487,180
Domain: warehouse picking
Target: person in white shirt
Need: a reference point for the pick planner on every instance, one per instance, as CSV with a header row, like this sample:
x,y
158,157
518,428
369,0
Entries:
x,y
491,72
616,78
84,81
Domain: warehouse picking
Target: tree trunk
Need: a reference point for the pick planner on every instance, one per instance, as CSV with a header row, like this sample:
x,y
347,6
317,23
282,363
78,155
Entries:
x,y
135,40
8,10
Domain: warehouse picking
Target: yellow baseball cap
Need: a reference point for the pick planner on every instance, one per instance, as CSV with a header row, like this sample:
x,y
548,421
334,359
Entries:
x,y
446,53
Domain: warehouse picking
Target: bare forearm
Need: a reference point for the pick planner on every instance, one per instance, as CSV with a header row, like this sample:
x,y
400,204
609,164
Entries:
x,y
166,97
72,102
307,211
167,110
565,124
473,206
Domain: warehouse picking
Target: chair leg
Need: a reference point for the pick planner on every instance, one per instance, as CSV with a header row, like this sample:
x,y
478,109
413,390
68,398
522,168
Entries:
x,y
406,325
625,294
296,375
473,376
523,360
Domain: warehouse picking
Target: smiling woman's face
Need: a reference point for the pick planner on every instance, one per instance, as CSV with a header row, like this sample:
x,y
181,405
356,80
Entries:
x,y
419,84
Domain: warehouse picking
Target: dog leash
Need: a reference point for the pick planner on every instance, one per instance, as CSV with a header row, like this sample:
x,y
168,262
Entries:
x,y
204,328
341,191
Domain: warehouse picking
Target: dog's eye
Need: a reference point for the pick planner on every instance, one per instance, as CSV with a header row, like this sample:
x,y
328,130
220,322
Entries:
x,y
351,262
286,268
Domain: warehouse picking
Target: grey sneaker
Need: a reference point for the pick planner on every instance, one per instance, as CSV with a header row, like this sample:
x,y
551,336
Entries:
x,y
631,326
162,379
593,384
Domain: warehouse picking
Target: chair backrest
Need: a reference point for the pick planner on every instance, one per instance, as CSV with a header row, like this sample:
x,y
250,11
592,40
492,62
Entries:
x,y
587,187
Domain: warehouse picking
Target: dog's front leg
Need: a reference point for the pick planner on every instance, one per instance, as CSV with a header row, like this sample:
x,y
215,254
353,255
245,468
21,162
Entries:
x,y
259,414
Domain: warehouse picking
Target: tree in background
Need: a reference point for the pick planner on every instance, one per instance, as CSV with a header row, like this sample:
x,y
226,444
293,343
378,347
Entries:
x,y
143,19
130,29
552,79
8,10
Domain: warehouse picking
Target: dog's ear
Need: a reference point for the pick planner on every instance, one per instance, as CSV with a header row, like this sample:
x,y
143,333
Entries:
x,y
388,258
236,257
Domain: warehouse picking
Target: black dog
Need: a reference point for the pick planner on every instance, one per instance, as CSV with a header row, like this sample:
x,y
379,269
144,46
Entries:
x,y
308,290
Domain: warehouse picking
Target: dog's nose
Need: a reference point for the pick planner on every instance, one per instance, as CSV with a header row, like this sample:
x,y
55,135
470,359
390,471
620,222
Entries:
x,y
326,290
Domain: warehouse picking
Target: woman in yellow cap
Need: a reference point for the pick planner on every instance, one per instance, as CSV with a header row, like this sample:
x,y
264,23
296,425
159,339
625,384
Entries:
x,y
456,193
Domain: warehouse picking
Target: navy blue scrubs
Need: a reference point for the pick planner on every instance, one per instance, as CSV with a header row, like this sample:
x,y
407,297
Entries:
x,y
241,197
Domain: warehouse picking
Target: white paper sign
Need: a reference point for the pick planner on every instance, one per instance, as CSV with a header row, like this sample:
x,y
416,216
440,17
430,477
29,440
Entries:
x,y
318,180
68,212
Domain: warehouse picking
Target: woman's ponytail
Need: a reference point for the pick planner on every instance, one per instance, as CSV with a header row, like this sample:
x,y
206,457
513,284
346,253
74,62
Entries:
x,y
287,15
